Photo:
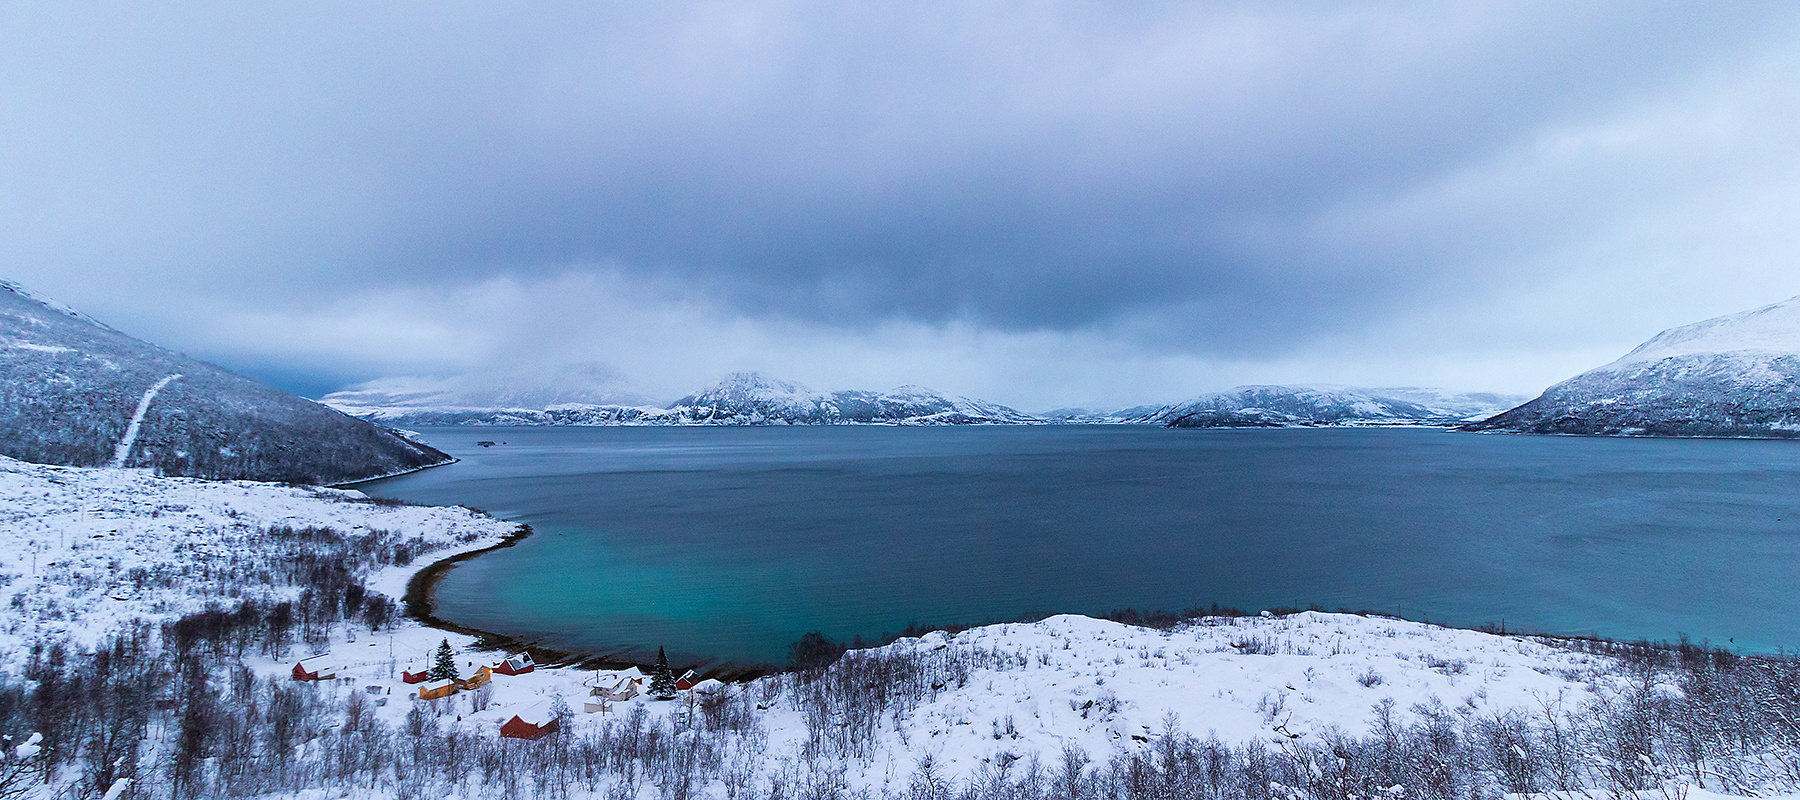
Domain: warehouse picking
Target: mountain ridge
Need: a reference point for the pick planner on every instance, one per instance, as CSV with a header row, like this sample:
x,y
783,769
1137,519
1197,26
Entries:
x,y
1736,375
76,392
1284,406
740,398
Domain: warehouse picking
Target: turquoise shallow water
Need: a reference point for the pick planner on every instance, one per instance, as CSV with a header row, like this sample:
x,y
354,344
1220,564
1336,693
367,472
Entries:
x,y
726,544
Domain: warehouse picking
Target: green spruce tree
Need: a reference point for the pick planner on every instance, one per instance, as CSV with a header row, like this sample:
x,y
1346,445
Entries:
x,y
443,667
662,679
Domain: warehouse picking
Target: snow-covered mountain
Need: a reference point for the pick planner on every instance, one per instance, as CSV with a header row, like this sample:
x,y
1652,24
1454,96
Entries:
x,y
579,394
76,392
1299,406
588,384
1736,375
743,398
749,398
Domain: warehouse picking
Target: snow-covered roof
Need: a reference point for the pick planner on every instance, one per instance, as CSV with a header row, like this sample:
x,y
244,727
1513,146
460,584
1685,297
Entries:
x,y
536,714
315,663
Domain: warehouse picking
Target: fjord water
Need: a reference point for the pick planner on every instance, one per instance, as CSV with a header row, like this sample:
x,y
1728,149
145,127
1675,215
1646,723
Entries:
x,y
726,544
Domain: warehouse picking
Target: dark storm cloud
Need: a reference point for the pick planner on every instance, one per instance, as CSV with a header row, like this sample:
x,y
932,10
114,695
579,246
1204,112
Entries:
x,y
1234,178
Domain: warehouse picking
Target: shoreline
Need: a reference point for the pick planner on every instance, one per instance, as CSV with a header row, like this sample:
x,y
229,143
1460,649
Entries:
x,y
418,603
361,481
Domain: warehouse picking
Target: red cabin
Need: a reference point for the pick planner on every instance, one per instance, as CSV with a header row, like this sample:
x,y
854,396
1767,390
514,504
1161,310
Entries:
x,y
317,668
534,724
515,665
687,681
415,677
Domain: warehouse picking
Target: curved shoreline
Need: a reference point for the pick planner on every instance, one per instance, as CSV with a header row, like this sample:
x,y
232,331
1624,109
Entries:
x,y
419,601
361,481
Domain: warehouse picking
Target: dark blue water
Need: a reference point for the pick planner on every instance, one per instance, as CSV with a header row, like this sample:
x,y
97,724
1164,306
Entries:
x,y
729,543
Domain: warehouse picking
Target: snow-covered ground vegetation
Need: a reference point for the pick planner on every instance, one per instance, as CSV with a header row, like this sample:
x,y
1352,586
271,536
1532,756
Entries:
x,y
153,626
74,391
1736,375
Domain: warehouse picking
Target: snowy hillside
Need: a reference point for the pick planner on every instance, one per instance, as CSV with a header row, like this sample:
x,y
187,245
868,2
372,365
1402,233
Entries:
x,y
85,552
1736,375
1294,406
73,391
744,398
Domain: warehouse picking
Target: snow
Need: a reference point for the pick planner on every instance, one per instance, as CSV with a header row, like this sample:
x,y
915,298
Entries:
x,y
583,384
742,398
123,450
1327,405
1771,330
47,302
1035,688
76,543
69,536
1736,375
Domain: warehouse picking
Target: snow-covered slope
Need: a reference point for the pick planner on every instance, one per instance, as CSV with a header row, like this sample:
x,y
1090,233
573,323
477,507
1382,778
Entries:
x,y
1291,406
84,552
744,398
71,390
749,398
1736,375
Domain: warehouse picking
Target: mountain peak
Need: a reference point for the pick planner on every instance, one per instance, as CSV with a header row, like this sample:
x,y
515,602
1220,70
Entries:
x,y
47,302
1774,328
1735,375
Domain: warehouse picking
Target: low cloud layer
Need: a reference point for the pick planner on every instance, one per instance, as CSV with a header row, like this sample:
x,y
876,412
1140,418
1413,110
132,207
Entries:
x,y
1069,203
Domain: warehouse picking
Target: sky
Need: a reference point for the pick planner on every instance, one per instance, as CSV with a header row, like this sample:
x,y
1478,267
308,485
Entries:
x,y
1041,204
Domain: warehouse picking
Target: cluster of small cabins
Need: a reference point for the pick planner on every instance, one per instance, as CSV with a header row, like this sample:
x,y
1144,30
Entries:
x,y
533,723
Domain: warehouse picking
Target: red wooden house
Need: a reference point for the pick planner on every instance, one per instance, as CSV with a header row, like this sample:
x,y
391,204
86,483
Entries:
x,y
318,668
515,665
533,723
687,681
415,677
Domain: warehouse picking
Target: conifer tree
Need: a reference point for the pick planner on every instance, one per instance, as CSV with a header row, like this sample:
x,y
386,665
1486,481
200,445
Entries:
x,y
662,679
443,667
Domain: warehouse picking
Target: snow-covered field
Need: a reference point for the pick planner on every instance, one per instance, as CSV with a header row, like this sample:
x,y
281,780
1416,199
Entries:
x,y
85,552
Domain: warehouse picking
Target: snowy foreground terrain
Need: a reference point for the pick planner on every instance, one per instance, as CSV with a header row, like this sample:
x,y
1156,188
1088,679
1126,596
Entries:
x,y
1300,705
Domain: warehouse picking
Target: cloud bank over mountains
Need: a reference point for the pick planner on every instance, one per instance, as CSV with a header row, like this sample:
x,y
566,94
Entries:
x,y
1065,203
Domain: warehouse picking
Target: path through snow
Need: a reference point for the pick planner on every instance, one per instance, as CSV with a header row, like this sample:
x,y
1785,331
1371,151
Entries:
x,y
137,419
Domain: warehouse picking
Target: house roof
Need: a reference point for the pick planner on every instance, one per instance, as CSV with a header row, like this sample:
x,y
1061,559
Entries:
x,y
435,685
536,714
314,663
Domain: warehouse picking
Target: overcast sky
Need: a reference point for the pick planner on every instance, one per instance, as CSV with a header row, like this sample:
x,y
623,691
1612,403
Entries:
x,y
1041,204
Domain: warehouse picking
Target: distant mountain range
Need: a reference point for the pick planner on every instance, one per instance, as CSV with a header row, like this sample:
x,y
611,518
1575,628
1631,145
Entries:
x,y
1307,406
589,383
743,398
749,398
76,392
1736,375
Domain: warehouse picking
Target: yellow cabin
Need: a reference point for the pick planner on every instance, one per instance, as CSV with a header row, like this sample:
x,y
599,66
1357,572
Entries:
x,y
437,689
